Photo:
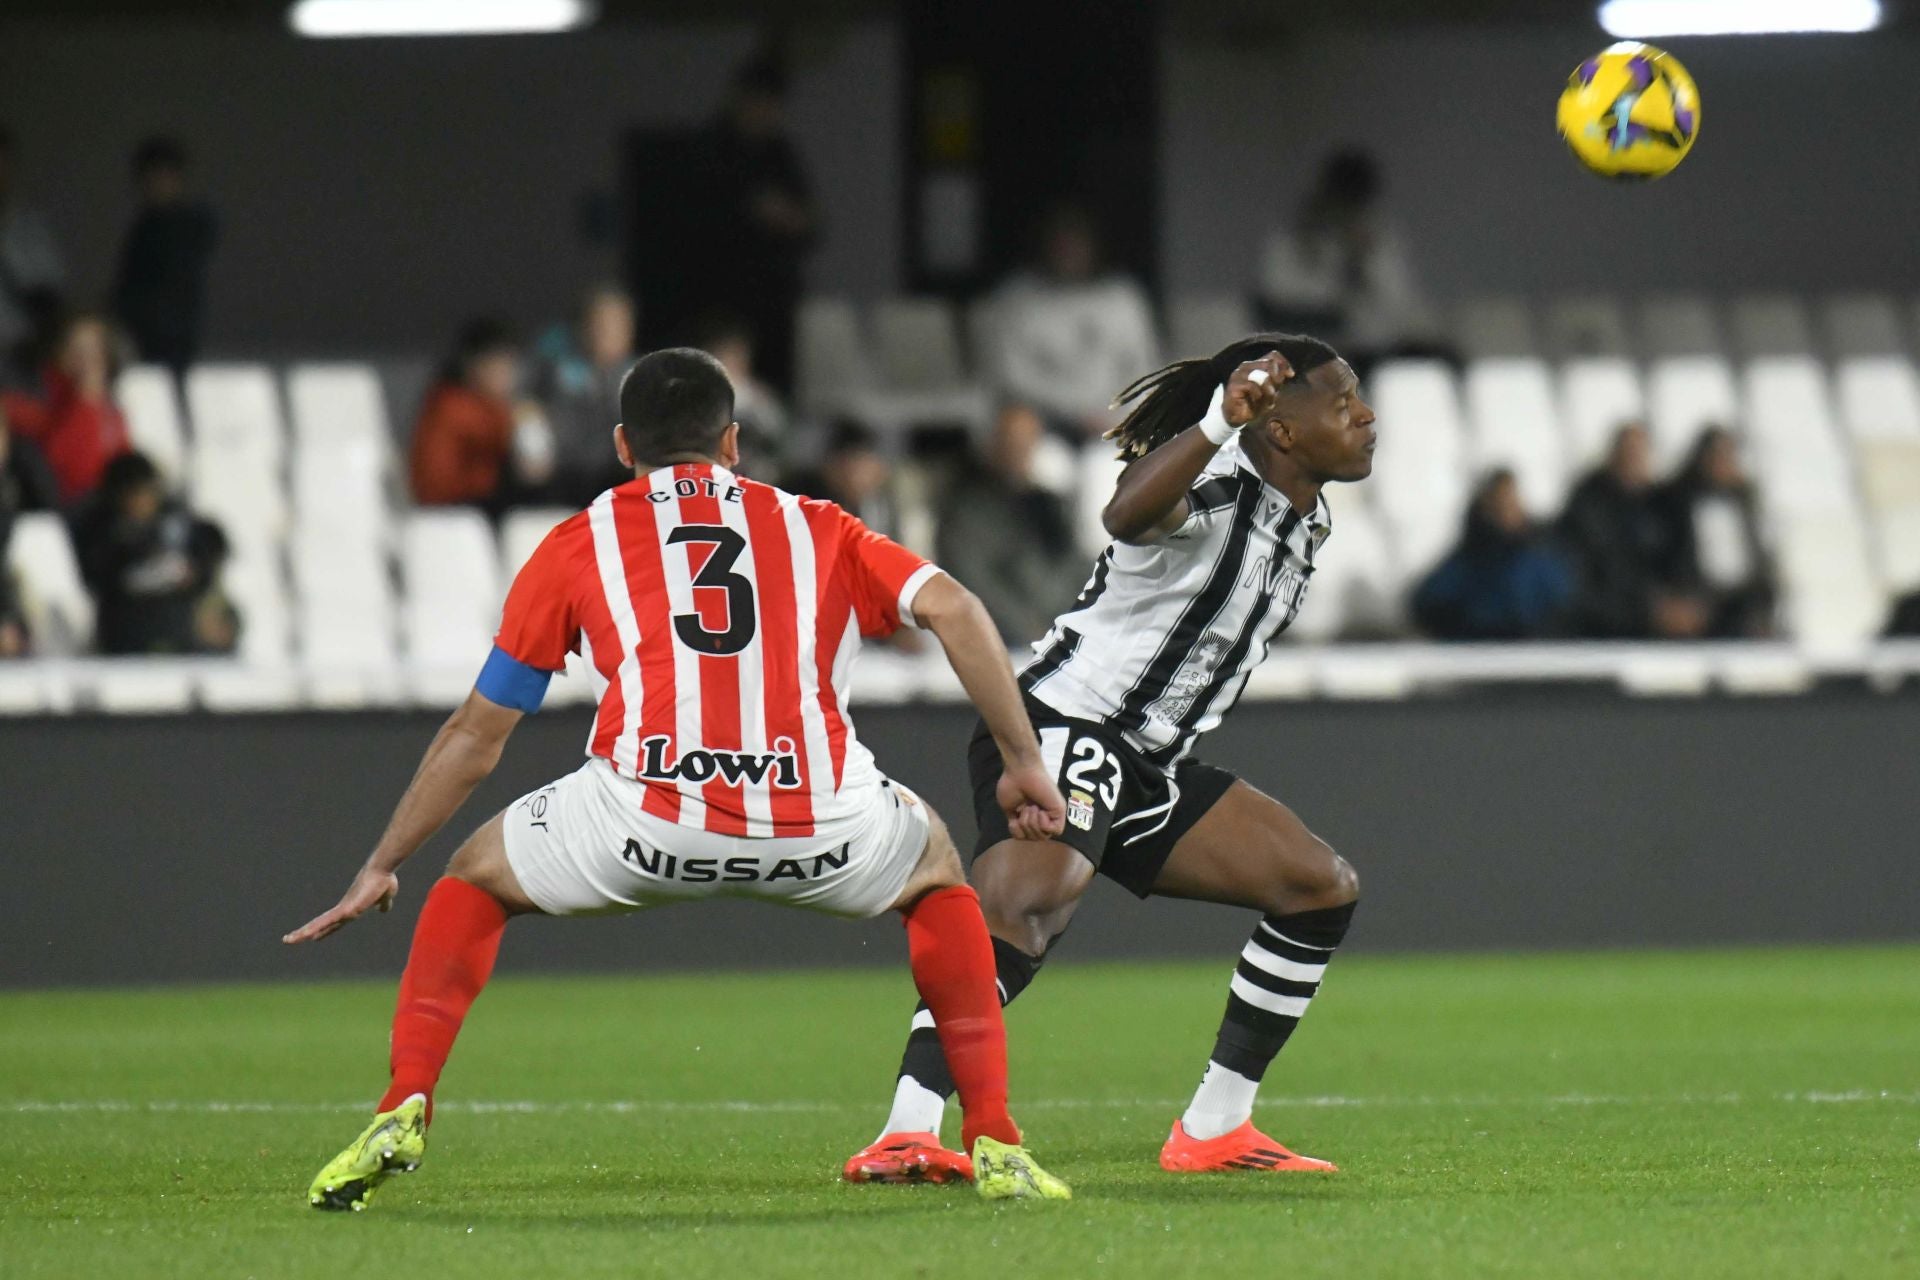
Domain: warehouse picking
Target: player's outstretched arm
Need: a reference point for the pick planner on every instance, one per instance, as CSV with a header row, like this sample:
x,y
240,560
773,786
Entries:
x,y
1033,805
1151,499
461,756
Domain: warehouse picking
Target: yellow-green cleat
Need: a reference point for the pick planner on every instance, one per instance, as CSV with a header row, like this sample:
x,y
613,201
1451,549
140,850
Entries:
x,y
393,1143
1001,1172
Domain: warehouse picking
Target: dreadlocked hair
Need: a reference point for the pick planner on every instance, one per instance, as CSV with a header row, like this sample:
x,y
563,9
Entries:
x,y
1171,399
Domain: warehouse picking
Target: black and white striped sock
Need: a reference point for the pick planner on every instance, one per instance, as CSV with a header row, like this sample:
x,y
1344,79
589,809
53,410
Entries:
x,y
1277,977
920,1096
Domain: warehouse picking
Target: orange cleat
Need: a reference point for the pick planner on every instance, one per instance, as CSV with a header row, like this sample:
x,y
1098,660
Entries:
x,y
908,1157
1245,1148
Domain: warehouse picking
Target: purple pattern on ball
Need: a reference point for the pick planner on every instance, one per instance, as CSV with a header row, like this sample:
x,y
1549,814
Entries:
x,y
1642,72
1588,70
1683,121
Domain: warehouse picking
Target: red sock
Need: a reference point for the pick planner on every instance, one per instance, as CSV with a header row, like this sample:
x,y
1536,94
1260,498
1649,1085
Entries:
x,y
453,950
952,958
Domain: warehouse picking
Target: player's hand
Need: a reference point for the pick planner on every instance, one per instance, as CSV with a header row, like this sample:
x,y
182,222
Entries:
x,y
1249,399
370,889
1034,806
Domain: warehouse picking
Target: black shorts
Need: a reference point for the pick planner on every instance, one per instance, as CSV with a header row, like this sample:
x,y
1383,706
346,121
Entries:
x,y
1123,813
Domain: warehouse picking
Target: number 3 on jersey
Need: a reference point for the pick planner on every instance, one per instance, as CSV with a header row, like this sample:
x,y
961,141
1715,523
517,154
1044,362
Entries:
x,y
713,571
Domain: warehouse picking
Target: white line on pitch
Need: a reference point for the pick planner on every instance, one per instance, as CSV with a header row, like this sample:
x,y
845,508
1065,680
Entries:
x,y
656,1105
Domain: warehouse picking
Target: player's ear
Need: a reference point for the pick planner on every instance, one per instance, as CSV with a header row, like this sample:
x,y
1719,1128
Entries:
x,y
730,446
620,448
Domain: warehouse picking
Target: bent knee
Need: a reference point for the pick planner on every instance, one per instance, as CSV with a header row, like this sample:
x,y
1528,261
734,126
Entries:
x,y
1317,881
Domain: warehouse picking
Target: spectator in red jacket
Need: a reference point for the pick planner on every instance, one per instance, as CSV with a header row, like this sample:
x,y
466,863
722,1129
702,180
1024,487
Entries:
x,y
76,425
475,442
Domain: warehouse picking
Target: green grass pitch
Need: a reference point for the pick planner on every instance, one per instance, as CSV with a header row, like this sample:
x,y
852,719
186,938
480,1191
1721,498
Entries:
x,y
1737,1114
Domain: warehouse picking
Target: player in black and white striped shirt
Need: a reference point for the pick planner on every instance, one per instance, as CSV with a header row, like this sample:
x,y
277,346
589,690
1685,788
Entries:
x,y
1215,524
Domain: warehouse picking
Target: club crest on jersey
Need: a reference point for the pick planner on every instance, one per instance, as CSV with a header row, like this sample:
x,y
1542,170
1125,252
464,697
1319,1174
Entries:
x,y
1080,810
752,768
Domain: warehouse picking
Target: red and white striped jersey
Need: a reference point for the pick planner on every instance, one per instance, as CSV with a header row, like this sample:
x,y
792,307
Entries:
x,y
724,615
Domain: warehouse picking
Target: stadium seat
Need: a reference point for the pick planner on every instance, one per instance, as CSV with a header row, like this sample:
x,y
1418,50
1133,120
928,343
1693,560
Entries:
x,y
256,585
345,621
1770,325
917,344
1801,463
1201,324
58,608
1580,327
342,449
1494,328
238,450
1515,422
1597,395
1684,395
521,530
1420,468
1833,598
1679,325
1879,398
146,393
830,355
1863,324
449,565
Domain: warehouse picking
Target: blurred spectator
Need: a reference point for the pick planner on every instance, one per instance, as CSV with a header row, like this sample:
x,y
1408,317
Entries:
x,y
1069,334
475,442
1614,529
1009,540
579,387
1503,581
30,275
760,218
153,567
1904,619
1714,551
854,474
75,425
23,468
1342,271
160,290
756,406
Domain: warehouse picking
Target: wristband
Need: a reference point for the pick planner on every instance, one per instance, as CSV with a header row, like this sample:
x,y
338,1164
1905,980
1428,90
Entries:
x,y
1215,426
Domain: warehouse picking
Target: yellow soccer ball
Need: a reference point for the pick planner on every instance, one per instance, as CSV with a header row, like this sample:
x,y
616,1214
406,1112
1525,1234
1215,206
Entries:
x,y
1630,111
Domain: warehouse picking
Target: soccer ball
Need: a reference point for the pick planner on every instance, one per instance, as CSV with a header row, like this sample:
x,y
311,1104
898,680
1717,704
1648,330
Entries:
x,y
1630,111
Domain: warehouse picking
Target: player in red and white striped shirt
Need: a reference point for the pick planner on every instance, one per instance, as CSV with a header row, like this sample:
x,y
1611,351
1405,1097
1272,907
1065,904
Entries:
x,y
723,616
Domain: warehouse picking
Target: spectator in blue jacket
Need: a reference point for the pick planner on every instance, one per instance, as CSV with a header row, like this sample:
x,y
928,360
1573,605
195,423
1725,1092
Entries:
x,y
1504,581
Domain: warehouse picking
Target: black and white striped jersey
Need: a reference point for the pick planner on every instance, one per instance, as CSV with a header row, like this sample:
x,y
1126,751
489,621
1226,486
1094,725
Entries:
x,y
1161,641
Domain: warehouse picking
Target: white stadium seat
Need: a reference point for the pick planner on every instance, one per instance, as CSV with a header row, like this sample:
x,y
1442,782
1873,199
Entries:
x,y
1516,423
1686,394
1770,325
1863,324
1201,324
521,530
917,344
342,449
450,568
1679,325
147,395
1420,469
1879,398
1494,328
332,403
1833,597
140,686
830,355
1803,466
1597,395
58,608
238,450
346,623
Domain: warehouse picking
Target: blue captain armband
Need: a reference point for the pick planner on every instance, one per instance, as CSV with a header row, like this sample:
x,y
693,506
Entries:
x,y
508,682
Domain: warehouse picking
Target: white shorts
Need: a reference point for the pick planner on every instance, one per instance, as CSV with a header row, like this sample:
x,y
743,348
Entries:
x,y
582,846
